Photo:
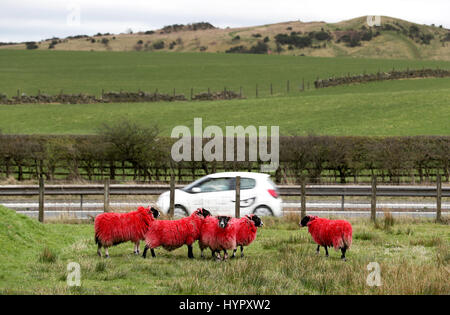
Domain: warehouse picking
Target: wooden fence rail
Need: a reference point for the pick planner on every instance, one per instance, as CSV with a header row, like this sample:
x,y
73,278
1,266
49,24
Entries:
x,y
373,191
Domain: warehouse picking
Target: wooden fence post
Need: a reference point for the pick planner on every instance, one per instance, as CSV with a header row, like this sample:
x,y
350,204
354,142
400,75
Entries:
x,y
303,198
240,91
172,196
438,198
41,199
271,89
106,196
238,198
373,202
192,93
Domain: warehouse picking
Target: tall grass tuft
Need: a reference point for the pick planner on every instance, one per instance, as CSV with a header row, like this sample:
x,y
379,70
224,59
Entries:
x,y
388,220
48,256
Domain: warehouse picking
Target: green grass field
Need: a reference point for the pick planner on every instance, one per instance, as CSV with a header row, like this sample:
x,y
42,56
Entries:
x,y
90,72
406,107
378,113
413,255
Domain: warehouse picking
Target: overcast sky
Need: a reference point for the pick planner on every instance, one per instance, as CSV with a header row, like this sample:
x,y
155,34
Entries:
x,y
27,20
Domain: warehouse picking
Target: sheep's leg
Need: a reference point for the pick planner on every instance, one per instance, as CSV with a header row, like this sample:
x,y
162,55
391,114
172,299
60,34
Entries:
x,y
326,251
190,252
99,250
201,253
136,248
343,250
106,252
216,254
234,253
242,251
225,254
144,255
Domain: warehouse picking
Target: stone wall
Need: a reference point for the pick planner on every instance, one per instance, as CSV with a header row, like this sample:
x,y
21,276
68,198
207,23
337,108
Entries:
x,y
382,76
113,97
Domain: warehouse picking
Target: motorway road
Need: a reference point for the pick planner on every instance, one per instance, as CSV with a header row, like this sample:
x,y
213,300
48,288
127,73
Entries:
x,y
352,209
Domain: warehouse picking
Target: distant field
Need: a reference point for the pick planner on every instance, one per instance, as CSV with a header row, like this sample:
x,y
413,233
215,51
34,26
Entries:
x,y
406,107
90,72
421,112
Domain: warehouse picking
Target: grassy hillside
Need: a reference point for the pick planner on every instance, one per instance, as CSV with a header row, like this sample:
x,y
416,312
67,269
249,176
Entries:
x,y
90,72
405,107
379,112
394,41
413,255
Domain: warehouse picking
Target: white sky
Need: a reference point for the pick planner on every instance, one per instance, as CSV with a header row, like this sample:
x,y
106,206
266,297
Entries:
x,y
26,20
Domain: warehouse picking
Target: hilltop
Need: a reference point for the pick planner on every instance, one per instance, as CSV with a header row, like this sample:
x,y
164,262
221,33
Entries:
x,y
394,38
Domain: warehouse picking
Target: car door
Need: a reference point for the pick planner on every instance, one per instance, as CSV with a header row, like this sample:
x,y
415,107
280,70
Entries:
x,y
214,194
248,194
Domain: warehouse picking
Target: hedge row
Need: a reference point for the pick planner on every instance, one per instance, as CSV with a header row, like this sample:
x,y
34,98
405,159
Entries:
x,y
142,155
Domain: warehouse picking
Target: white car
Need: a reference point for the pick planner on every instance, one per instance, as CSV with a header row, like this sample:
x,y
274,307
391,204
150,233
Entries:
x,y
216,193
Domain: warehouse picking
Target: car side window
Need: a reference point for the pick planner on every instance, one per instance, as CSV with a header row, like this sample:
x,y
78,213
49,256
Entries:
x,y
246,183
215,184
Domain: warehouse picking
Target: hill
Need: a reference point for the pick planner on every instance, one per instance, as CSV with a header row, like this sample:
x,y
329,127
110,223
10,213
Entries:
x,y
404,107
394,38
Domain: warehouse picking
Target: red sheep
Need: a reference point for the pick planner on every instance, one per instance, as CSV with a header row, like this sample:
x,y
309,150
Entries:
x,y
329,233
246,231
174,234
114,228
218,233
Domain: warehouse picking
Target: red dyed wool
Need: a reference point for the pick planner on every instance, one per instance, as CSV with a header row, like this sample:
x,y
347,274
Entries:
x,y
246,230
172,234
217,238
325,232
115,228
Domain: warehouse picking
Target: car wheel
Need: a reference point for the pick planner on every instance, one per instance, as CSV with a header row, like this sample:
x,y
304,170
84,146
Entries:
x,y
180,211
263,211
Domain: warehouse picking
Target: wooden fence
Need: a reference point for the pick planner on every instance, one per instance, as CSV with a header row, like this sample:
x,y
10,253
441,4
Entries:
x,y
303,191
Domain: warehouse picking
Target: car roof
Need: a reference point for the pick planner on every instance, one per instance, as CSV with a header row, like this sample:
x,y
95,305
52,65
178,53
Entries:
x,y
241,174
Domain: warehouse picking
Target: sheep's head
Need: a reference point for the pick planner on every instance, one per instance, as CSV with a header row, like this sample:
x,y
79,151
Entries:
x,y
304,222
154,212
223,221
202,213
256,220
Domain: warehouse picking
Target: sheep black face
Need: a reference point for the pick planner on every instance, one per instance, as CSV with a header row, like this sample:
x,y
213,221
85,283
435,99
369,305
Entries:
x,y
154,212
206,213
223,221
304,221
257,220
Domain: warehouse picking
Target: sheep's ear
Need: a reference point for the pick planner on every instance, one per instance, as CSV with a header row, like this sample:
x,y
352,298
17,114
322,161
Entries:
x,y
155,212
206,213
